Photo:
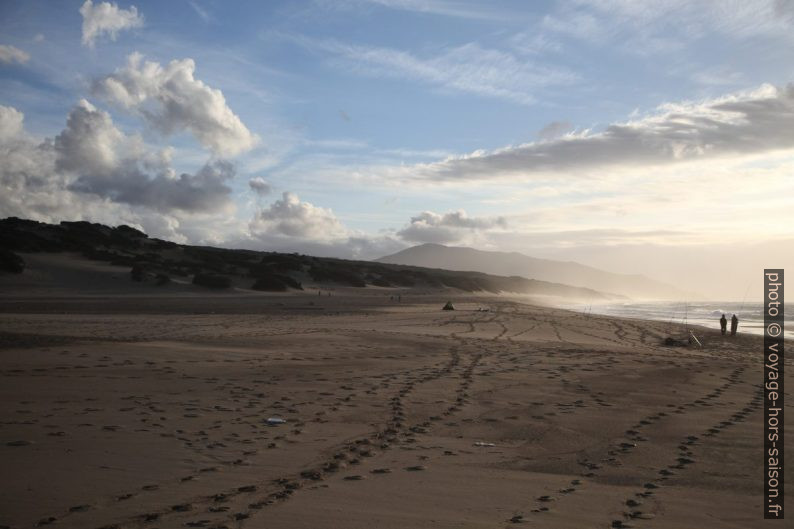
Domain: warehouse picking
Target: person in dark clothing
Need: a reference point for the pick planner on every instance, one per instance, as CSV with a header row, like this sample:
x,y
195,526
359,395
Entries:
x,y
734,324
723,324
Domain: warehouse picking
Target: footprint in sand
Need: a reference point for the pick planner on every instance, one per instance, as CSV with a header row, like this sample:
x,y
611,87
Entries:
x,y
19,443
620,524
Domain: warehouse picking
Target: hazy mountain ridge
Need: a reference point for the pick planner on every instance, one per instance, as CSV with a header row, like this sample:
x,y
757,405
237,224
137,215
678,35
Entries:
x,y
513,263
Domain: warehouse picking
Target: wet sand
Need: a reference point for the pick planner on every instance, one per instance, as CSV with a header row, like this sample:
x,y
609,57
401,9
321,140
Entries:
x,y
151,411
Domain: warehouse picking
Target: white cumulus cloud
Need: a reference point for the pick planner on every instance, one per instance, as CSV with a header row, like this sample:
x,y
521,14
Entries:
x,y
259,186
291,217
450,227
108,19
11,123
94,171
292,225
171,99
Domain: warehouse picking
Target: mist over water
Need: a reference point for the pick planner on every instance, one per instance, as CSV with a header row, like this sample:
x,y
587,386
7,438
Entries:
x,y
679,314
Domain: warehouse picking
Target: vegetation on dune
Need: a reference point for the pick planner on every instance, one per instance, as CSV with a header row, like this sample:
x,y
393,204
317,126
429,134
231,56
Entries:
x,y
270,284
330,272
155,260
11,262
268,280
212,281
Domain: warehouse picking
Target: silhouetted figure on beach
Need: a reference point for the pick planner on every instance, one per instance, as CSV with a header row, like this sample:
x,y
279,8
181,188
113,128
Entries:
x,y
734,324
723,324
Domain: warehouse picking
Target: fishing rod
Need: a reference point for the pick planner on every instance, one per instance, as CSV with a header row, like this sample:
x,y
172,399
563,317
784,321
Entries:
x,y
588,307
745,296
672,316
686,316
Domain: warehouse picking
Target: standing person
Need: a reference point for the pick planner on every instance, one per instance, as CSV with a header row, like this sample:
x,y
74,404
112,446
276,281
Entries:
x,y
734,324
723,324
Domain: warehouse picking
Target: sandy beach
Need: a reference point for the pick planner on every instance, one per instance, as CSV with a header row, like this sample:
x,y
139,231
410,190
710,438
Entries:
x,y
396,264
143,410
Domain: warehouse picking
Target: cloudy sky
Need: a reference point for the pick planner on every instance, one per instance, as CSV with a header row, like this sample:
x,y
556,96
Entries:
x,y
641,137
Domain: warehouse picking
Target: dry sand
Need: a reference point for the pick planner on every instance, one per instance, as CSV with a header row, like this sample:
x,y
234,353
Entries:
x,y
149,410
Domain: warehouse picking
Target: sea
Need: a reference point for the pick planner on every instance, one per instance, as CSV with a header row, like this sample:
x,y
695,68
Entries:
x,y
678,314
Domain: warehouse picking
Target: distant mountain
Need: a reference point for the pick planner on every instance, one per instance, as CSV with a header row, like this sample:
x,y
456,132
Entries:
x,y
516,264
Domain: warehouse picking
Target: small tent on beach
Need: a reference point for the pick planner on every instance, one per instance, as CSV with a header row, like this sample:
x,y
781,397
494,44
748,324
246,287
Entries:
x,y
448,306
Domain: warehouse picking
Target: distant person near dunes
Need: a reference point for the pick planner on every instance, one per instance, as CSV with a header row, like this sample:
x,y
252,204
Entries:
x,y
734,324
723,324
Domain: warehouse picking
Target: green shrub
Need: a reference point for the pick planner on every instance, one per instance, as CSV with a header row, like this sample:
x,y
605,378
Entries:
x,y
337,274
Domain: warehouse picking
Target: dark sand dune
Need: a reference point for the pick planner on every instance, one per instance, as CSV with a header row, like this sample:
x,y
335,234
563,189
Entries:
x,y
76,255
